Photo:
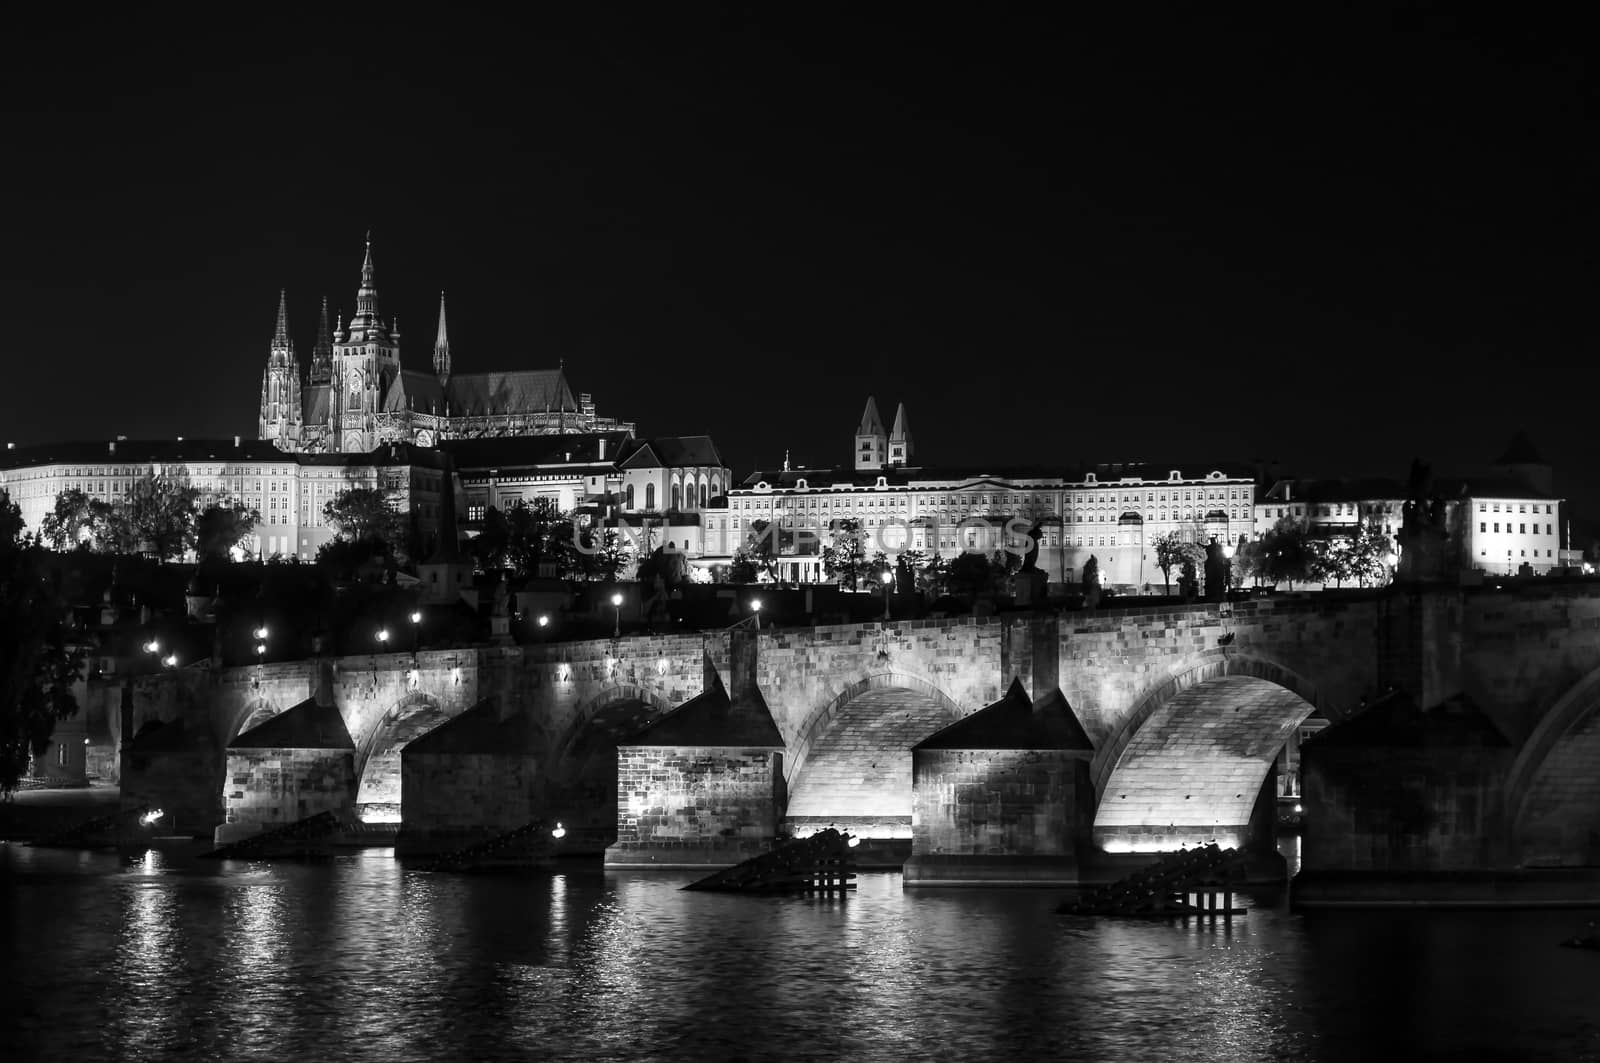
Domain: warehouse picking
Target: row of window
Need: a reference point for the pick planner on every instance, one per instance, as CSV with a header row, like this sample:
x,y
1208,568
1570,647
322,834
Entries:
x,y
1522,527
1522,507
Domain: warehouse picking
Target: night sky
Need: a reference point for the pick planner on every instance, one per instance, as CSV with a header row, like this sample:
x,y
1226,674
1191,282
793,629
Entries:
x,y
1333,244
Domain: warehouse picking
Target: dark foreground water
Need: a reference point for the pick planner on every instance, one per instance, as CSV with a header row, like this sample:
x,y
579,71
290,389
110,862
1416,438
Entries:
x,y
161,956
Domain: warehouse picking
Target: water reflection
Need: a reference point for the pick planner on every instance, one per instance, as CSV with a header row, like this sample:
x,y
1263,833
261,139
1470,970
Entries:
x,y
152,956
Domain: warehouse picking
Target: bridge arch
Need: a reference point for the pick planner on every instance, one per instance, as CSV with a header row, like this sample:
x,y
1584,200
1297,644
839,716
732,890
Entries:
x,y
1552,792
253,713
377,759
852,760
581,767
1190,760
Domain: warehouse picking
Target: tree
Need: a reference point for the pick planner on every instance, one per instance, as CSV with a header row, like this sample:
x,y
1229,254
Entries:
x,y
1285,557
611,554
37,666
1328,561
531,529
490,545
1091,582
364,513
222,526
1172,550
77,521
1370,551
969,574
761,549
158,511
743,570
844,558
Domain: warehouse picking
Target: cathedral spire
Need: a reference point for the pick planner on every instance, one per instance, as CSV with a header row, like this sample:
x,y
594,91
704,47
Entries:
x,y
282,350
281,337
367,297
322,352
441,348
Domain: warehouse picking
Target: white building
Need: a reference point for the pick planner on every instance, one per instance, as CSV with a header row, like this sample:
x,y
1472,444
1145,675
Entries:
x,y
1113,512
287,491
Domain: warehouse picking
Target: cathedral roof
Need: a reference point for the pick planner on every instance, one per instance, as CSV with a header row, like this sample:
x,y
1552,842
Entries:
x,y
1520,451
669,452
416,390
526,392
516,451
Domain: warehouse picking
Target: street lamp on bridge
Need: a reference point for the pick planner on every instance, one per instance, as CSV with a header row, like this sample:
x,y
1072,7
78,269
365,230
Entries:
x,y
616,602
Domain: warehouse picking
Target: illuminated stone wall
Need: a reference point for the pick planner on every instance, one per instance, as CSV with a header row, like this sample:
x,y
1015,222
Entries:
x,y
268,788
695,805
1000,802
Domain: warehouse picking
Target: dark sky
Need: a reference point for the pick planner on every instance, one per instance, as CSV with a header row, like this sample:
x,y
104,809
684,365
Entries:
x,y
1335,243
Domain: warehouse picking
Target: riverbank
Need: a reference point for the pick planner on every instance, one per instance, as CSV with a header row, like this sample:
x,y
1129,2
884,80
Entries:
x,y
33,814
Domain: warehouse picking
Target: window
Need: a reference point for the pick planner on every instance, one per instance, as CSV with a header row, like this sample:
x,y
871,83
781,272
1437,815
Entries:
x,y
649,496
1522,529
1483,525
628,497
1496,526
1547,530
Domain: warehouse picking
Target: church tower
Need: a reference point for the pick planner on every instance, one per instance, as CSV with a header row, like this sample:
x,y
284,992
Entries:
x,y
280,386
366,361
871,439
441,350
322,353
900,438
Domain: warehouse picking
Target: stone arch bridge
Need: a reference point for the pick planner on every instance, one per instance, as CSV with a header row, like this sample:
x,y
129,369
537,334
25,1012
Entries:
x,y
1185,707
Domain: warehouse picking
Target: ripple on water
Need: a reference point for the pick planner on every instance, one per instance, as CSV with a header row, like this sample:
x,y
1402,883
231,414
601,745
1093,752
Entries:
x,y
150,956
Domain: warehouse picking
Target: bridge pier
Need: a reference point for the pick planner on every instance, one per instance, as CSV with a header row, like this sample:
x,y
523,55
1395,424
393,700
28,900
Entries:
x,y
296,764
703,786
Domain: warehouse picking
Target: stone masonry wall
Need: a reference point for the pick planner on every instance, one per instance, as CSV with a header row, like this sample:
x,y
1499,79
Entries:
x,y
269,788
998,802
1381,809
488,793
699,803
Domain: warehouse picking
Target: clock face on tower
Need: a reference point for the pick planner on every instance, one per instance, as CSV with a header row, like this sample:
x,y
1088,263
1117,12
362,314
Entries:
x,y
424,438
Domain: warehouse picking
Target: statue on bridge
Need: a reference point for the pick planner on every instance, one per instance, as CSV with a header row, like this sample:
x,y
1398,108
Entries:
x,y
1423,532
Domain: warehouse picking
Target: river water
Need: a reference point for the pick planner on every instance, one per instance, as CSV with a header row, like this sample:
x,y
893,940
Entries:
x,y
160,955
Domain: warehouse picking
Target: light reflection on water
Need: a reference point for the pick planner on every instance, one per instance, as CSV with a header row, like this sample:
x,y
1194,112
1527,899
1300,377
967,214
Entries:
x,y
150,956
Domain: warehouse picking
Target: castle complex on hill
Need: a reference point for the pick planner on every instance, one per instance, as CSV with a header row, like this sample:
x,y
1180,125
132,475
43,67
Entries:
x,y
355,395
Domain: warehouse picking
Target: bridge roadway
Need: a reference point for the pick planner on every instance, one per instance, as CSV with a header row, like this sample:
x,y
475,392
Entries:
x,y
1186,706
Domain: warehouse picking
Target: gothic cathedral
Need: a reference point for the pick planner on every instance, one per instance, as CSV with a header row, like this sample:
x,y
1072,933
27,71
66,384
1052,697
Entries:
x,y
357,397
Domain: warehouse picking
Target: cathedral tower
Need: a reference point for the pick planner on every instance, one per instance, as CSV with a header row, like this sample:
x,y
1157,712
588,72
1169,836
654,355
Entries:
x,y
871,439
366,361
900,438
441,350
322,353
280,386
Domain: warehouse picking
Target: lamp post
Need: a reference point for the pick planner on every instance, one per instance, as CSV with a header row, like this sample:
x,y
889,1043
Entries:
x,y
383,637
1227,555
416,634
755,608
887,577
260,634
616,603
